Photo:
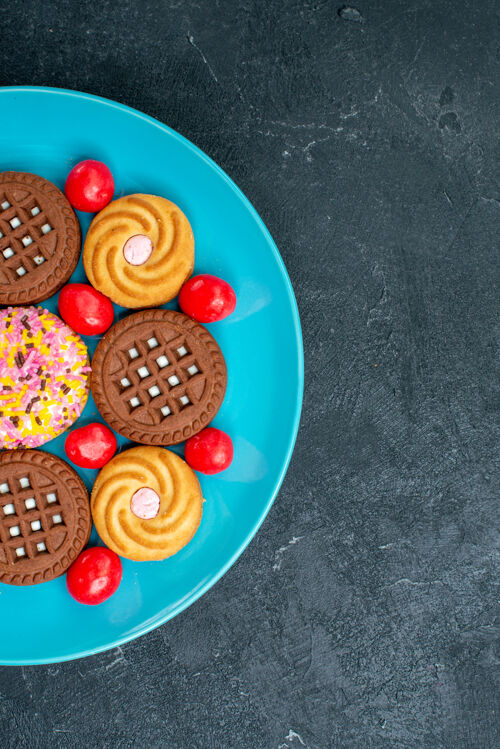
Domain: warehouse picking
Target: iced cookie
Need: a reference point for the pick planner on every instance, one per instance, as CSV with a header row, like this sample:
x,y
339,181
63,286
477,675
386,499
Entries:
x,y
139,250
146,503
158,377
40,238
44,371
44,517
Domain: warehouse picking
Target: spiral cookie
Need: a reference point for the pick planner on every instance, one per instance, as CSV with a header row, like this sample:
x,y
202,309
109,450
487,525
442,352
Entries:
x,y
139,250
44,371
40,238
44,517
158,377
146,503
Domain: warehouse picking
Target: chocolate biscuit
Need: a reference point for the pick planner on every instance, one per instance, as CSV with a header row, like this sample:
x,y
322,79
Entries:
x,y
45,519
40,239
158,377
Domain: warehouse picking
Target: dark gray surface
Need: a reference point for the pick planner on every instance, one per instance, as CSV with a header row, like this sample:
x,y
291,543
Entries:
x,y
363,614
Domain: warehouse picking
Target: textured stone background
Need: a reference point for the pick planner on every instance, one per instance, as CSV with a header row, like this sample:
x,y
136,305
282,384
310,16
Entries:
x,y
363,613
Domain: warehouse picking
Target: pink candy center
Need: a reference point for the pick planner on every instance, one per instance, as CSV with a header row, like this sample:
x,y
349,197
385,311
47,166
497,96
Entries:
x,y
145,503
137,249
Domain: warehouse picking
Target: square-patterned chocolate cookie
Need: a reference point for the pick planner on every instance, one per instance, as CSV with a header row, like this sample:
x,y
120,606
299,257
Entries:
x,y
158,377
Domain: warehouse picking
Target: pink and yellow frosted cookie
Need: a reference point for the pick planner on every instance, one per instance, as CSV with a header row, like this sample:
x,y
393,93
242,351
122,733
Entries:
x,y
44,368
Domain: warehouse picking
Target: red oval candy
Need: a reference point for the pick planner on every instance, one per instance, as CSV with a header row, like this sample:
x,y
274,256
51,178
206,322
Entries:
x,y
89,186
85,310
207,298
210,451
90,446
94,576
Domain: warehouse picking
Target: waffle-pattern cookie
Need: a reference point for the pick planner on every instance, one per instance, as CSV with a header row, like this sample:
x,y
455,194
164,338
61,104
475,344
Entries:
x,y
179,510
147,278
45,517
158,377
40,238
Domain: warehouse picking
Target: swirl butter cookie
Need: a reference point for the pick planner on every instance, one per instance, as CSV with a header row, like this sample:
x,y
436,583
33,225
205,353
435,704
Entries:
x,y
139,250
40,238
146,503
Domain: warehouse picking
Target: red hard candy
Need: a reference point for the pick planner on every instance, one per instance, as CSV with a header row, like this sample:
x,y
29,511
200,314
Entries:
x,y
84,309
94,576
90,446
210,451
89,186
207,298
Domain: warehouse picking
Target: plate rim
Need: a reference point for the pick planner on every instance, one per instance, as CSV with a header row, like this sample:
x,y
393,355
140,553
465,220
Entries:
x,y
150,625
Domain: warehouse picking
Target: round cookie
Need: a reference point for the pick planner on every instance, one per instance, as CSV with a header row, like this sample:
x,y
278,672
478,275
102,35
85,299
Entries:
x,y
45,519
158,377
139,250
125,513
44,376
40,238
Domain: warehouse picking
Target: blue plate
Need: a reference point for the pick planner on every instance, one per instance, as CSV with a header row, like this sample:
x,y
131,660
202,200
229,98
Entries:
x,y
46,131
